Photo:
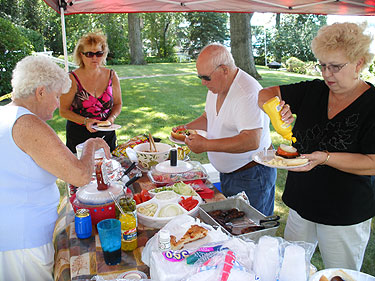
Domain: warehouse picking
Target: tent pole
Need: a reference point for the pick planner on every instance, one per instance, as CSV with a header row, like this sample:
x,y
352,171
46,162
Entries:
x,y
64,38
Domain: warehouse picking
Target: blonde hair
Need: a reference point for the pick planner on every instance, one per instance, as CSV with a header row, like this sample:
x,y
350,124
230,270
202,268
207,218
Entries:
x,y
90,39
38,71
347,37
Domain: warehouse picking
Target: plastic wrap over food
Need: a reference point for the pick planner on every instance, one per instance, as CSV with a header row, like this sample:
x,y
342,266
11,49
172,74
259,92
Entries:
x,y
241,195
198,172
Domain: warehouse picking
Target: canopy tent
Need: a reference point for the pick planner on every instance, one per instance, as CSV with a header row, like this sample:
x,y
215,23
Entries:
x,y
326,7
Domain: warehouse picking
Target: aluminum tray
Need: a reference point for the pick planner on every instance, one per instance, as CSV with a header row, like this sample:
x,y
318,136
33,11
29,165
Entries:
x,y
241,205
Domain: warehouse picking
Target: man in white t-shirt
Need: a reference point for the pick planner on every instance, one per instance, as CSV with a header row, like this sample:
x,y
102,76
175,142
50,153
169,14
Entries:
x,y
236,128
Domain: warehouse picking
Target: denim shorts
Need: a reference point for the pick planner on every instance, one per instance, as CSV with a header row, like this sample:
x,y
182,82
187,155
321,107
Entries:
x,y
258,183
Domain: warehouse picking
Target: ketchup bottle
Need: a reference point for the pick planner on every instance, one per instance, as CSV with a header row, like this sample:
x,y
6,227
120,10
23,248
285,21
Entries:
x,y
101,175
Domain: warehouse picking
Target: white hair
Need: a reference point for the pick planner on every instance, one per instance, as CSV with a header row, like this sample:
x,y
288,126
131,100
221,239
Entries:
x,y
220,55
38,71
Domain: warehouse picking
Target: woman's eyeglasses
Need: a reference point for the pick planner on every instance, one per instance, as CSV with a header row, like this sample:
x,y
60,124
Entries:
x,y
91,54
208,77
333,68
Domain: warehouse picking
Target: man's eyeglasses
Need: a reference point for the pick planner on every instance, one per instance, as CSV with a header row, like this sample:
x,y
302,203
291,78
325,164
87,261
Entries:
x,y
208,77
91,54
333,68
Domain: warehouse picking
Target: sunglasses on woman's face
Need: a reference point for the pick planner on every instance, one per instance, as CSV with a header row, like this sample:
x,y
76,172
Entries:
x,y
91,54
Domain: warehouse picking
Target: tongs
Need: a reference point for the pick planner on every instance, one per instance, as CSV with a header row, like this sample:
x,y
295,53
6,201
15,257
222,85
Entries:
x,y
152,143
267,222
133,179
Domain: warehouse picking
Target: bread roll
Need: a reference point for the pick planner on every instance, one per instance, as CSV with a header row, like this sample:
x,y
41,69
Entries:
x,y
105,123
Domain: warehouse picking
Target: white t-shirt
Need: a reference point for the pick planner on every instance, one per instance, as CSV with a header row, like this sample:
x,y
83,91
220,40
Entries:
x,y
239,111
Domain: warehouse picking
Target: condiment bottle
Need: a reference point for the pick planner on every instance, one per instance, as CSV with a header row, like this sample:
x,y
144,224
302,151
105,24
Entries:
x,y
128,232
164,240
101,175
82,223
128,204
272,108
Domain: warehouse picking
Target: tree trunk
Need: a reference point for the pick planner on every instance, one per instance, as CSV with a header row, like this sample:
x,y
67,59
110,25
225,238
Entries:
x,y
278,50
240,43
135,40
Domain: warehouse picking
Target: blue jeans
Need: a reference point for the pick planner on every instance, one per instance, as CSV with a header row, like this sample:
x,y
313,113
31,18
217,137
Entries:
x,y
258,183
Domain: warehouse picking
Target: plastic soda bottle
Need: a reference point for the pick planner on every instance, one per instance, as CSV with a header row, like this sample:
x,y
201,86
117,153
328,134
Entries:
x,y
128,232
272,108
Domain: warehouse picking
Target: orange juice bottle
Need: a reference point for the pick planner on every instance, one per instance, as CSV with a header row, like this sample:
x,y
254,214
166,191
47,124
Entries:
x,y
128,232
272,108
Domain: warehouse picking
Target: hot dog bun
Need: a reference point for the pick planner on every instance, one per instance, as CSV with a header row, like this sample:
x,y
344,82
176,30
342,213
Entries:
x,y
105,123
292,161
181,134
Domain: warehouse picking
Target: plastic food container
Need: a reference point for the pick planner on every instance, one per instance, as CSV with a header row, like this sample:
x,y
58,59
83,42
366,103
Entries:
x,y
166,202
170,188
162,179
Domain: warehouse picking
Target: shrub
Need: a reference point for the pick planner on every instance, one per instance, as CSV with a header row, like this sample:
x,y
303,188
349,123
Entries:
x,y
13,47
161,60
34,37
295,65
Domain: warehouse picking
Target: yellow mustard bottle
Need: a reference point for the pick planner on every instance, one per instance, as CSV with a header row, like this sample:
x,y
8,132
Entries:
x,y
272,108
128,232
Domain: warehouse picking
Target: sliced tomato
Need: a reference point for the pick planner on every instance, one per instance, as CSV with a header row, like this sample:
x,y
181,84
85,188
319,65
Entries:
x,y
145,196
286,154
137,198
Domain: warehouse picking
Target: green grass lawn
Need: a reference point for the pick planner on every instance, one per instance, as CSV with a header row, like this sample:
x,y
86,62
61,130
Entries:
x,y
157,104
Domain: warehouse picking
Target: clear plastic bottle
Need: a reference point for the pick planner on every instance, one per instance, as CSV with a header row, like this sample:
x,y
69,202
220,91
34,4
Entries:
x,y
272,108
128,232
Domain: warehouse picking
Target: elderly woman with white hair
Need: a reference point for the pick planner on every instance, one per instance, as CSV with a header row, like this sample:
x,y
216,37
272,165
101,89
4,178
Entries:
x,y
35,158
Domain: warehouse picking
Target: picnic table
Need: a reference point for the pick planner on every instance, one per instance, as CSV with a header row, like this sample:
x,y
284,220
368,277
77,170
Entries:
x,y
82,259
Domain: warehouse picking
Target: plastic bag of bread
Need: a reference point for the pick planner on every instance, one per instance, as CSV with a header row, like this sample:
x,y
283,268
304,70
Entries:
x,y
223,265
120,150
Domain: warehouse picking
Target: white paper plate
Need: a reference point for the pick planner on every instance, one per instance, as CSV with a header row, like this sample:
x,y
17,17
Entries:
x,y
113,127
262,158
202,133
199,132
358,276
165,167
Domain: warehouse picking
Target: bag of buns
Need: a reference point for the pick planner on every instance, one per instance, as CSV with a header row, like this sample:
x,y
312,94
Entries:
x,y
120,150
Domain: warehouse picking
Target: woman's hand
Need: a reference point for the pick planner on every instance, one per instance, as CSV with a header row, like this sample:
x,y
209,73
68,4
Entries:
x,y
89,123
286,113
316,158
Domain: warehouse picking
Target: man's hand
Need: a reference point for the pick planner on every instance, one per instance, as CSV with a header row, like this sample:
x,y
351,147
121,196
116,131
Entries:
x,y
197,143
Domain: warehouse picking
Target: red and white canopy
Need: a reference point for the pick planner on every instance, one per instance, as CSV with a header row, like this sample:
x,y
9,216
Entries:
x,y
325,7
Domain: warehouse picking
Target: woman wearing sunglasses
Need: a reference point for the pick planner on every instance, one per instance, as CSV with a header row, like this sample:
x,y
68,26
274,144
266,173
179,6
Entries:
x,y
332,199
95,95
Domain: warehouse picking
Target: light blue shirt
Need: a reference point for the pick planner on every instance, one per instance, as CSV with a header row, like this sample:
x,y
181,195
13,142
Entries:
x,y
28,194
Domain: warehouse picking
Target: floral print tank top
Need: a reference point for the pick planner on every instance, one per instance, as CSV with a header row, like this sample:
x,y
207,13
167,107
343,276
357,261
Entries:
x,y
87,105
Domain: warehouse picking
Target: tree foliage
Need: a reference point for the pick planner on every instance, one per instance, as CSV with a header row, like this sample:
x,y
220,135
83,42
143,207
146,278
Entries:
x,y
295,34
205,28
13,47
161,32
